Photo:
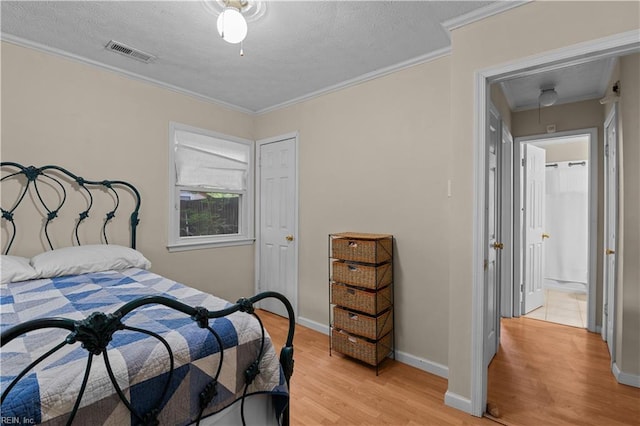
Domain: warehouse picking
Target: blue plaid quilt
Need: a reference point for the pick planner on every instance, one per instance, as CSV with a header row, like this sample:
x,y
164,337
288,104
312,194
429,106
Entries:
x,y
140,362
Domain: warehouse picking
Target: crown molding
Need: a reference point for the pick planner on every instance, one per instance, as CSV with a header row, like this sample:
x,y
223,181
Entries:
x,y
18,41
481,13
431,56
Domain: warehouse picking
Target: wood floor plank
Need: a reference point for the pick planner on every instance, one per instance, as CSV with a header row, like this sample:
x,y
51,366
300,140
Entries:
x,y
545,373
336,390
537,378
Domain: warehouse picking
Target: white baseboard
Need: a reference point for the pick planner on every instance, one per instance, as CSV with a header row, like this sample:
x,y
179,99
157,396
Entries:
x,y
316,326
423,364
403,357
625,378
458,402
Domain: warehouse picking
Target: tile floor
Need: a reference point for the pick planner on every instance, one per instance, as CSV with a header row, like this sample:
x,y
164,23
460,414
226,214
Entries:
x,y
563,308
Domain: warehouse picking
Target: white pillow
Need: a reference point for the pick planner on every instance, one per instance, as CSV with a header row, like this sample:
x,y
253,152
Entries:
x,y
84,259
16,268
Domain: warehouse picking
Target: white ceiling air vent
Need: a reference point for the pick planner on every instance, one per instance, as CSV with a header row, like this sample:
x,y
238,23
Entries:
x,y
123,49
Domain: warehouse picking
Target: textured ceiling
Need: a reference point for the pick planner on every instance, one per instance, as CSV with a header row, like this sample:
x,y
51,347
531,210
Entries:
x,y
293,51
572,83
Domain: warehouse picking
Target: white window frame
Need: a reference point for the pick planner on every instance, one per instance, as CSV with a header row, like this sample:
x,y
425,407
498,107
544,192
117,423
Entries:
x,y
245,235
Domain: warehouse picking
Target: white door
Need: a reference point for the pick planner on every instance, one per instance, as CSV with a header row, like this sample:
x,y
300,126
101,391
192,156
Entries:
x,y
534,193
492,249
610,225
277,257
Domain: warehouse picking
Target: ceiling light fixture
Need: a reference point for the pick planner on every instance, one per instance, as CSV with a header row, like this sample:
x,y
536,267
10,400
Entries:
x,y
232,26
233,17
548,97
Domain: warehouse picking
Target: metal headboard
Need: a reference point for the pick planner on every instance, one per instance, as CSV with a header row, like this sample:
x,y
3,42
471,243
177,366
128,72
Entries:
x,y
34,175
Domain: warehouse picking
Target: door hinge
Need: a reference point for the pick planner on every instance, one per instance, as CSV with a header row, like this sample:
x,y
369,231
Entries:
x,y
606,150
606,310
522,162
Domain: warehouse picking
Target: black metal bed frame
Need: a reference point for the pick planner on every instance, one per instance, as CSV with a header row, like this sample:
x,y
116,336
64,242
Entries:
x,y
96,331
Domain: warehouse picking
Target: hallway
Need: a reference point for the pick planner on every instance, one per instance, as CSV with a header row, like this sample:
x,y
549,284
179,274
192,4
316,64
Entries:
x,y
551,374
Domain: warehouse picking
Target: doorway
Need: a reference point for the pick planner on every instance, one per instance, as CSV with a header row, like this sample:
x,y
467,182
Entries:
x,y
565,267
604,48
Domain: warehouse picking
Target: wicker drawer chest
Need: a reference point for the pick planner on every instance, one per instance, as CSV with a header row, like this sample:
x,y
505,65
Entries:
x,y
361,296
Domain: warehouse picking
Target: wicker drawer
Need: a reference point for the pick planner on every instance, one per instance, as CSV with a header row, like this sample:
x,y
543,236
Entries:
x,y
370,352
362,250
371,327
370,302
367,276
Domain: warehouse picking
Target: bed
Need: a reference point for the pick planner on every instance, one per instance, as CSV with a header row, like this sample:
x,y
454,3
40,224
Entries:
x,y
91,336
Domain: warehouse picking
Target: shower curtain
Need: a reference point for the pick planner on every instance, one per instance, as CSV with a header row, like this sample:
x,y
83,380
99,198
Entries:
x,y
566,221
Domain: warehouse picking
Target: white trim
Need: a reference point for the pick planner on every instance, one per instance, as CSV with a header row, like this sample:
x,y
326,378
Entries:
x,y
478,363
314,325
18,41
608,46
458,402
481,13
209,244
431,367
625,378
296,218
615,45
431,56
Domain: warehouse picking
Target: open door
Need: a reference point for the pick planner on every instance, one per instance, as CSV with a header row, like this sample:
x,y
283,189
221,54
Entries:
x,y
494,246
534,193
610,227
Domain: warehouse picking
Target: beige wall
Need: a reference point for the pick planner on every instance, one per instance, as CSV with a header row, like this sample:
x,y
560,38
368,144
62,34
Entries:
x,y
572,116
102,125
521,32
571,151
628,291
373,158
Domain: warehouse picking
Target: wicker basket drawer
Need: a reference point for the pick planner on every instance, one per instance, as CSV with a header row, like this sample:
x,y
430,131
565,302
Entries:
x,y
367,276
370,352
362,250
371,327
370,302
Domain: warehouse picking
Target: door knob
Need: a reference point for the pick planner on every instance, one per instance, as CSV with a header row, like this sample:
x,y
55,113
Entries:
x,y
609,251
289,237
545,236
497,246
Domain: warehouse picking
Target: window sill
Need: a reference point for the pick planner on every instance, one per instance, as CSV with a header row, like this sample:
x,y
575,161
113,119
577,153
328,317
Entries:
x,y
209,244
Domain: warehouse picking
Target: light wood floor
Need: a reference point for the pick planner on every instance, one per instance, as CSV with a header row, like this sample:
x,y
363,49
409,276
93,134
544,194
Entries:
x,y
335,390
537,378
550,374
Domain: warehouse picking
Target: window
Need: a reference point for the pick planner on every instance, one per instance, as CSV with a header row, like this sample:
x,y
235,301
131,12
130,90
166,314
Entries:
x,y
211,189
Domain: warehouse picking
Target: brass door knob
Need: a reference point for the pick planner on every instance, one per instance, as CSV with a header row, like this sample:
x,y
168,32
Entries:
x,y
609,251
497,246
289,238
545,236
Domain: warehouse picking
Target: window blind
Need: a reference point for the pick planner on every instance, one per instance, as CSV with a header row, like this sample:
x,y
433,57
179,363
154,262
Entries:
x,y
207,162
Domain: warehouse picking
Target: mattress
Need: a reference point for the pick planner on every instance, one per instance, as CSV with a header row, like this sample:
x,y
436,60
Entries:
x,y
140,362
